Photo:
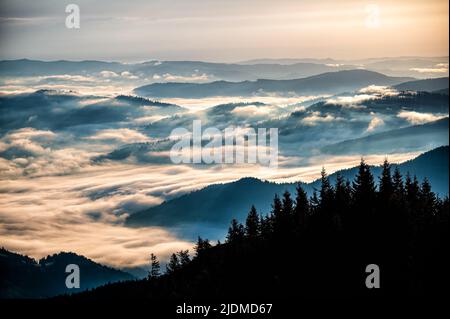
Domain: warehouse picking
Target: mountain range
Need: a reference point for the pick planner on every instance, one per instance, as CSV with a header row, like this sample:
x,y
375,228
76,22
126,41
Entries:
x,y
411,138
325,83
428,85
419,67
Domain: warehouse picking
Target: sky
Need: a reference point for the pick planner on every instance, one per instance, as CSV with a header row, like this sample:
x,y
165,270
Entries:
x,y
223,30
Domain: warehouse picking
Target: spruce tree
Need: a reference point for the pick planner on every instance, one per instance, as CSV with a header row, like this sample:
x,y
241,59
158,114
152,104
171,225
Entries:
x,y
397,183
287,215
252,224
287,205
266,226
412,190
201,246
326,191
364,186
235,232
386,184
427,200
183,257
277,208
301,209
155,268
173,265
342,195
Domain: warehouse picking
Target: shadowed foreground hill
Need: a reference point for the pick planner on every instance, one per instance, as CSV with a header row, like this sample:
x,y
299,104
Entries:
x,y
316,247
24,277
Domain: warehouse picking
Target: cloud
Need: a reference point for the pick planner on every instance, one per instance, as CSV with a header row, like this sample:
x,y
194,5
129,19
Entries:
x,y
123,135
195,77
442,65
53,196
356,101
259,111
351,102
316,117
379,90
375,123
129,75
150,119
106,83
430,70
280,101
84,211
29,133
26,152
109,74
420,118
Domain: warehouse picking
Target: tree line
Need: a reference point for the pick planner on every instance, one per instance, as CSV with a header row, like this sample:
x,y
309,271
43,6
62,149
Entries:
x,y
316,246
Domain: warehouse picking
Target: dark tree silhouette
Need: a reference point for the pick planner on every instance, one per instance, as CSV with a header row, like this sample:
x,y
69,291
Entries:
x,y
397,184
173,264
202,245
252,224
235,232
183,257
319,247
155,268
364,186
301,210
386,184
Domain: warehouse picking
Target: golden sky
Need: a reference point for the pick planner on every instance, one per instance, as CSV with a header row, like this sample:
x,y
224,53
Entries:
x,y
225,30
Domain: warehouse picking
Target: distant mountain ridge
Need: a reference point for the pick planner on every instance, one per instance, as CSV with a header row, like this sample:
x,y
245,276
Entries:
x,y
212,204
24,277
431,134
225,71
246,70
325,83
428,85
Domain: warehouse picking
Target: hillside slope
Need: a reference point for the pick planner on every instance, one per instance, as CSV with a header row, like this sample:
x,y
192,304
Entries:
x,y
212,204
24,277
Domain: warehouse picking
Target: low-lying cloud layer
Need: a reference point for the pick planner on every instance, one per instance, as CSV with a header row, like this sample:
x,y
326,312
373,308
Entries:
x,y
74,165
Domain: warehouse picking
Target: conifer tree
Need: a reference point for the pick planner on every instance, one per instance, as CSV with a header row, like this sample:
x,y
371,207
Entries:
x,y
397,183
326,191
428,200
277,208
155,268
266,227
342,195
364,186
252,224
183,257
386,184
235,232
426,194
287,213
201,246
287,205
301,209
314,202
173,265
412,190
